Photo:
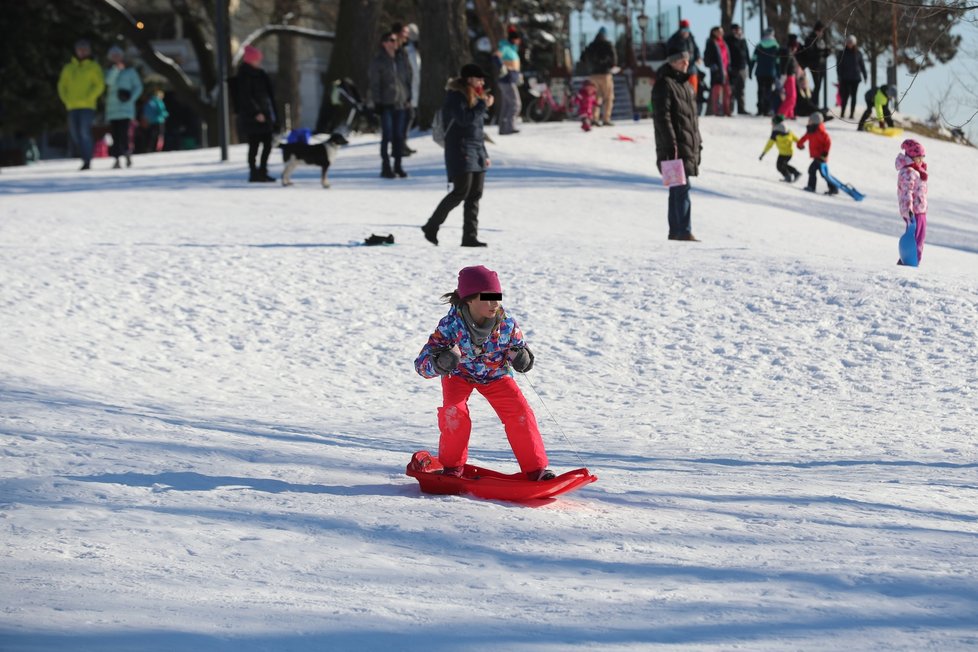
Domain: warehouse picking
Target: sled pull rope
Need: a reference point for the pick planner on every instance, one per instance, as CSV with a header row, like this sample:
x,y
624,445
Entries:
x,y
570,445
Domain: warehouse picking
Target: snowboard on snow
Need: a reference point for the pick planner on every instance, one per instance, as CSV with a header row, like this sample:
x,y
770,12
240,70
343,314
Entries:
x,y
493,485
844,187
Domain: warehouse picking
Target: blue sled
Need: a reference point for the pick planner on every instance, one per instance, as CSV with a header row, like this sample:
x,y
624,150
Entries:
x,y
845,187
908,244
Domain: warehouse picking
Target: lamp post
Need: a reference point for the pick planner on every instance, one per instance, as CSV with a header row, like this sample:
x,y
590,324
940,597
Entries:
x,y
629,44
643,24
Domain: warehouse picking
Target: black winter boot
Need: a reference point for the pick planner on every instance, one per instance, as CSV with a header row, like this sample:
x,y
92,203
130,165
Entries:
x,y
385,170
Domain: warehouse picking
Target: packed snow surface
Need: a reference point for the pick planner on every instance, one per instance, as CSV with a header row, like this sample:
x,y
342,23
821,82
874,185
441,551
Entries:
x,y
207,401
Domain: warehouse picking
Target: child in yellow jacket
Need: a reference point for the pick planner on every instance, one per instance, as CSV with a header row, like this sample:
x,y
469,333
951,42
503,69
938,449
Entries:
x,y
784,139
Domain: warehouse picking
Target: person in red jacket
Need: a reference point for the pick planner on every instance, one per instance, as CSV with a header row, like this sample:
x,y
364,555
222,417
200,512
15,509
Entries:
x,y
819,145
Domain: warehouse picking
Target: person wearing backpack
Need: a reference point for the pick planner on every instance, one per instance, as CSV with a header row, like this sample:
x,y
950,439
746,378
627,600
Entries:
x,y
463,117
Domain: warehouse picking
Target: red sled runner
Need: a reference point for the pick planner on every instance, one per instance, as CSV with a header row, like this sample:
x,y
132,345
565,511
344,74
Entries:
x,y
489,484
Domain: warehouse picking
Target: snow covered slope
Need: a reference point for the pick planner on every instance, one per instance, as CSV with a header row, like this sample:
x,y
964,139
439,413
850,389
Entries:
x,y
207,400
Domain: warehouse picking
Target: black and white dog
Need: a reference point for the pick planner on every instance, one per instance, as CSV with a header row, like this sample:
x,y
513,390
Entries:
x,y
320,150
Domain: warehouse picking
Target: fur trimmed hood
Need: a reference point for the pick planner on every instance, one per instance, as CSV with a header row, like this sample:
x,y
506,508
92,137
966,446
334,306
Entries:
x,y
902,161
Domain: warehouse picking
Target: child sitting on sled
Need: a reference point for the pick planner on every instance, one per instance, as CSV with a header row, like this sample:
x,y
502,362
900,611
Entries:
x,y
820,144
912,189
784,138
586,100
475,347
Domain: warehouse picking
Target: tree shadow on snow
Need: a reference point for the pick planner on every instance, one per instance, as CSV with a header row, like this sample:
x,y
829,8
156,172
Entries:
x,y
189,481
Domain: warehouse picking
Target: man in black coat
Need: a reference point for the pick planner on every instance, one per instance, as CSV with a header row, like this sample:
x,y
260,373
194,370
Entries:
x,y
851,69
814,56
739,66
602,63
677,135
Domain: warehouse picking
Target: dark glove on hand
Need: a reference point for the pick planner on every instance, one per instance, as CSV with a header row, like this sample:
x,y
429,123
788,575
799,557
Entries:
x,y
124,94
445,361
521,359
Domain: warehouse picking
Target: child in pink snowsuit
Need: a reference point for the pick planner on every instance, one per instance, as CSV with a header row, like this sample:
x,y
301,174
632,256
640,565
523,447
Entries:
x,y
476,346
912,188
586,100
787,108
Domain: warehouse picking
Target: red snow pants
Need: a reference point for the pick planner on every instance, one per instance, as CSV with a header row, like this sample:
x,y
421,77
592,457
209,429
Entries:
x,y
507,400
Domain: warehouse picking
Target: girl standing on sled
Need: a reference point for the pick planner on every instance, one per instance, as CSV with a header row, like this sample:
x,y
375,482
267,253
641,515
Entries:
x,y
475,347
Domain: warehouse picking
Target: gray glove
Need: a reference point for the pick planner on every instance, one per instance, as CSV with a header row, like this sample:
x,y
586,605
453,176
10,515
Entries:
x,y
521,359
446,360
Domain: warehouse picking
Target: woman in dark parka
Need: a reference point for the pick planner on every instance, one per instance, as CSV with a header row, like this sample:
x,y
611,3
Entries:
x,y
677,135
466,159
257,119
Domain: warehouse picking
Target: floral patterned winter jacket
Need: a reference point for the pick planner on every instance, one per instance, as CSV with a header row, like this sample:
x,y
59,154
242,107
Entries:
x,y
911,189
479,364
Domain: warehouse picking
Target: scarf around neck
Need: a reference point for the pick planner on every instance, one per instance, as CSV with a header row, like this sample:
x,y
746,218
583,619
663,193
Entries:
x,y
921,170
478,333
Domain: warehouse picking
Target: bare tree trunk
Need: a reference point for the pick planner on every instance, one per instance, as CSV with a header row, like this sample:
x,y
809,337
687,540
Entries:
x,y
287,75
489,20
356,41
727,8
444,48
777,14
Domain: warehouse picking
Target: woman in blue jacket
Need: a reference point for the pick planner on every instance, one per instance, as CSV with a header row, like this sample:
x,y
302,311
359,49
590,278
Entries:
x,y
466,159
124,88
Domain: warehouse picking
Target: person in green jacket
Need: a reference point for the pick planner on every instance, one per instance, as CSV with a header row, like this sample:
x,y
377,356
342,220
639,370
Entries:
x,y
124,88
878,100
79,87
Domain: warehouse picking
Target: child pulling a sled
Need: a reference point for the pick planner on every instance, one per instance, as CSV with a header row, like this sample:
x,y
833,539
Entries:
x,y
784,139
820,144
912,189
475,347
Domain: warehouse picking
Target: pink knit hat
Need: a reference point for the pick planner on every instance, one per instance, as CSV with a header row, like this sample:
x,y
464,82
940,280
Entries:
x,y
252,55
473,280
912,148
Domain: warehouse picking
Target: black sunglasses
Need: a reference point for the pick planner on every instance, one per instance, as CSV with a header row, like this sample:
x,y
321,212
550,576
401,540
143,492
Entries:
x,y
491,296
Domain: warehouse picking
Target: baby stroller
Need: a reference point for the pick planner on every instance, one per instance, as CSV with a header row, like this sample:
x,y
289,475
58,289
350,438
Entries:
x,y
344,112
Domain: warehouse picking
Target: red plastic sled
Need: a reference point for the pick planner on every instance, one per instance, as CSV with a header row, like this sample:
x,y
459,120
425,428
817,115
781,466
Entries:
x,y
486,483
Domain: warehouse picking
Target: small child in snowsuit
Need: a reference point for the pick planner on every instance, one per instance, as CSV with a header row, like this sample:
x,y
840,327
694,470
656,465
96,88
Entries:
x,y
783,138
586,100
476,346
789,95
821,143
912,189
